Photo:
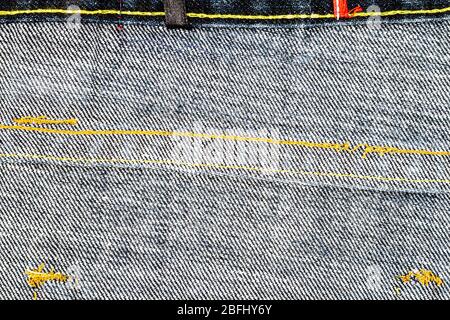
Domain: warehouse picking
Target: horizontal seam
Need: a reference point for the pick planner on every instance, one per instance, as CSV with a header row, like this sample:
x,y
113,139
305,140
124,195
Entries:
x,y
338,147
224,16
259,17
81,11
218,166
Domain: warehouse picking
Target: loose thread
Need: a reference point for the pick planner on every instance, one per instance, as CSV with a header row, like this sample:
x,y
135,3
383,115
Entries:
x,y
423,276
37,278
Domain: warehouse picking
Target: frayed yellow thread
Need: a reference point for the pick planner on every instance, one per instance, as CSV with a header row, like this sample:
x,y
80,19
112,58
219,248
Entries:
x,y
219,166
364,149
423,276
45,120
37,277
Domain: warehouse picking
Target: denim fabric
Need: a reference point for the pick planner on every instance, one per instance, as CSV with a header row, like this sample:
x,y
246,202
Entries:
x,y
143,216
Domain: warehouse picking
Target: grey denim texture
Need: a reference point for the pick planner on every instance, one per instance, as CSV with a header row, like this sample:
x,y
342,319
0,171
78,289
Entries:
x,y
165,231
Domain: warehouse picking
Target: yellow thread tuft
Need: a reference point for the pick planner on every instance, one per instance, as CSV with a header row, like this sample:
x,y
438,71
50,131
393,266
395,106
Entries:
x,y
423,276
44,120
37,277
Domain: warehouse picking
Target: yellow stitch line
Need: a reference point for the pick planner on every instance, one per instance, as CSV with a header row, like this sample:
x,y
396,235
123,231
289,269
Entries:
x,y
223,16
338,147
260,17
83,12
402,12
218,166
45,120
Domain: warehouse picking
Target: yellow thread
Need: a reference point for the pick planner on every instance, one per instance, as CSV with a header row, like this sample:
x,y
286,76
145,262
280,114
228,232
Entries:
x,y
339,147
83,12
260,17
37,277
402,12
35,295
423,276
218,166
44,120
224,16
